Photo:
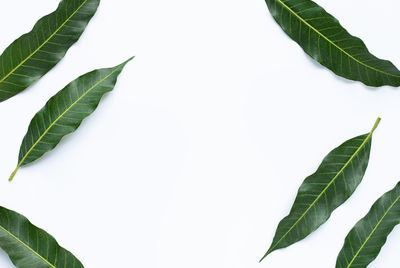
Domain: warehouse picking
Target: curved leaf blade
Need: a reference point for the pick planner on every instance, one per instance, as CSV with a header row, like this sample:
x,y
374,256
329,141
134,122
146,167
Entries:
x,y
65,111
364,242
337,177
35,53
29,246
323,38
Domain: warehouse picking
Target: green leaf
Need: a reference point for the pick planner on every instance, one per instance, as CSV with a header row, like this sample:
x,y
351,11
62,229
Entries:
x,y
33,54
331,185
364,242
323,38
64,113
29,246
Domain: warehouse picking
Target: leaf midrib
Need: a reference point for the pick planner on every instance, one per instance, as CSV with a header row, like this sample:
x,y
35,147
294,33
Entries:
x,y
44,43
373,231
28,247
60,116
323,191
333,43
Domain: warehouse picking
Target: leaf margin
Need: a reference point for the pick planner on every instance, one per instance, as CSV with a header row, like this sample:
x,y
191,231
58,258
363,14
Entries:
x,y
367,139
33,34
22,220
321,60
396,191
21,162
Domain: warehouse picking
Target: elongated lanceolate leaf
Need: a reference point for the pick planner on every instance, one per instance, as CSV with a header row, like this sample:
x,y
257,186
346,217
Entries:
x,y
32,55
323,38
64,113
364,242
331,185
29,246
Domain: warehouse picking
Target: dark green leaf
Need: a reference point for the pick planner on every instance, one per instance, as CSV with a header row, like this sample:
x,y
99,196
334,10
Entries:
x,y
364,242
326,41
331,185
64,112
32,55
31,247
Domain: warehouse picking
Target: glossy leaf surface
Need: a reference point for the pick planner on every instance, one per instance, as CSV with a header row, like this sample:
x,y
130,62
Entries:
x,y
364,242
33,54
323,38
64,112
29,246
331,185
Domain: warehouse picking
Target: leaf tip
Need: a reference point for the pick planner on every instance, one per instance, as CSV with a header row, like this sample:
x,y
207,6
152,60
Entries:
x,y
266,254
128,60
122,65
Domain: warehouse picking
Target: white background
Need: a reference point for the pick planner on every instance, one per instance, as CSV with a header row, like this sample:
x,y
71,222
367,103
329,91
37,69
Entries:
x,y
199,151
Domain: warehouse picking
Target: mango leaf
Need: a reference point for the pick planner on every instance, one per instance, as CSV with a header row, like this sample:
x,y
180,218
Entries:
x,y
64,112
364,242
338,176
323,38
33,54
29,246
